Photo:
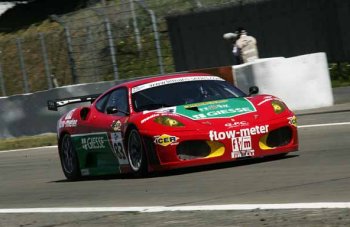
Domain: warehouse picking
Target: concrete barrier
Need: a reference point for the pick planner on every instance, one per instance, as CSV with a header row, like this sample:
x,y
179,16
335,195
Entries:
x,y
27,114
303,82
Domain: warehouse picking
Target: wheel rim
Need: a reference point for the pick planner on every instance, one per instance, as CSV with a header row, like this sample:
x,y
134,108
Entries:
x,y
67,155
135,150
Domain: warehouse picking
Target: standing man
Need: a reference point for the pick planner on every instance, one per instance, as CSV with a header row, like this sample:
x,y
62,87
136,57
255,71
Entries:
x,y
232,38
247,46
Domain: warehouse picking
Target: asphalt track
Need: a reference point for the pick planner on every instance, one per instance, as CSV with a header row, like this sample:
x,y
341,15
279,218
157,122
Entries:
x,y
319,172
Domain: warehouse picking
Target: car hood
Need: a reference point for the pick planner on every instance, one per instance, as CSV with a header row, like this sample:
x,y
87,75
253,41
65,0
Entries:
x,y
241,111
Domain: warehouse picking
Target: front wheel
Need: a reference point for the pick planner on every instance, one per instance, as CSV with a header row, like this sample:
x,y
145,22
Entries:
x,y
136,153
69,159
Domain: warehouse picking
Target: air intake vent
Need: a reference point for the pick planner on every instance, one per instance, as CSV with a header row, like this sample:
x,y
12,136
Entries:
x,y
193,149
279,137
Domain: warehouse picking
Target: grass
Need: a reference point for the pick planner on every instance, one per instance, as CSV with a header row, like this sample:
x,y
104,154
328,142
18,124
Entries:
x,y
48,139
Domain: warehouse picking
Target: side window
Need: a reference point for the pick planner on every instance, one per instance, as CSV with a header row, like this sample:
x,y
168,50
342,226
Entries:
x,y
101,104
118,99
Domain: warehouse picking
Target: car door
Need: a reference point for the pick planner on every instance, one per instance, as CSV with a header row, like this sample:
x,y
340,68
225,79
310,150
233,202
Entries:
x,y
111,118
102,148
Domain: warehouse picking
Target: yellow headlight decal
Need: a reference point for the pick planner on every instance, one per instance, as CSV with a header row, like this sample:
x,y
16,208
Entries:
x,y
168,121
278,106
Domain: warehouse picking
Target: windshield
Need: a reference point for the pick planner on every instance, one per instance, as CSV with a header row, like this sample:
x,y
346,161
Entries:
x,y
184,93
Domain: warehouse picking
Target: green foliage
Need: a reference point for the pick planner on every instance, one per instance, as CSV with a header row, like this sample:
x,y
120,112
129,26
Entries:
x,y
340,74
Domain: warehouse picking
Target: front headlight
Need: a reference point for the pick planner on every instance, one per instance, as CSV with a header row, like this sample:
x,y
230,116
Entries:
x,y
168,121
278,106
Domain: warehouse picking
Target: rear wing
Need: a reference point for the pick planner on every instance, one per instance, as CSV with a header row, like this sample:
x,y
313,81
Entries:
x,y
55,104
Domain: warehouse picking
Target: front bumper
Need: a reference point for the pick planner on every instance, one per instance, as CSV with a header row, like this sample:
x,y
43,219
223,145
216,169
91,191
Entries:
x,y
178,149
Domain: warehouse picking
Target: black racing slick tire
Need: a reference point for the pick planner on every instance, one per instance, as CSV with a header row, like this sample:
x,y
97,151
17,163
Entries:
x,y
69,159
136,153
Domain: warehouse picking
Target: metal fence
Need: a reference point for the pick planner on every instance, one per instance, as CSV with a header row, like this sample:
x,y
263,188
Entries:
x,y
125,38
27,63
91,45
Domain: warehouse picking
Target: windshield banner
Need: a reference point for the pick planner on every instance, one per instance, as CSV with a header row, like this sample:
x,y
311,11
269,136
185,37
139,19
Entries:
x,y
216,109
173,81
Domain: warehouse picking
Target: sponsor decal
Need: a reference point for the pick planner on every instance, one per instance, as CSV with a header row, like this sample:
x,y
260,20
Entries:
x,y
118,148
172,81
242,147
68,123
93,143
237,124
104,149
116,126
229,134
241,140
293,121
209,110
221,113
214,107
242,143
205,103
166,140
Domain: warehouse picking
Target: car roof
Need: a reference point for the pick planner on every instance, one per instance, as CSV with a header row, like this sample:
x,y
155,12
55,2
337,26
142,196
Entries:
x,y
139,81
145,80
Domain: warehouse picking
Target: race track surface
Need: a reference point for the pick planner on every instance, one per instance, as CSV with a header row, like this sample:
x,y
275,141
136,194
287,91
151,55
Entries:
x,y
318,172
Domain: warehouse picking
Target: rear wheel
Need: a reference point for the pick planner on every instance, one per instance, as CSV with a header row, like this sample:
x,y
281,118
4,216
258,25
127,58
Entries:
x,y
69,159
136,153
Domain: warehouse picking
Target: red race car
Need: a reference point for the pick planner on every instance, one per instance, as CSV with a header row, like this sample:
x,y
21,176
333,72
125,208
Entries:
x,y
170,122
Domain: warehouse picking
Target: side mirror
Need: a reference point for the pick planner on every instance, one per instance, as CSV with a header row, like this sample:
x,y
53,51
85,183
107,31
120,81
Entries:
x,y
253,90
112,110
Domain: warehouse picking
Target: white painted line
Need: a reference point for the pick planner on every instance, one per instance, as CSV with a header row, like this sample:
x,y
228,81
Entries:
x,y
324,125
27,149
281,206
